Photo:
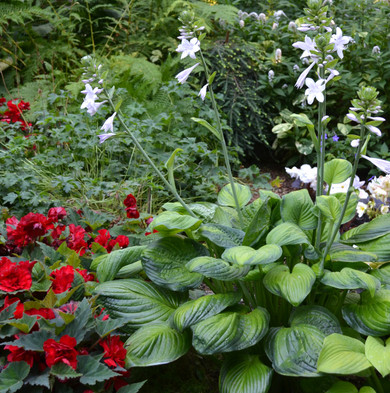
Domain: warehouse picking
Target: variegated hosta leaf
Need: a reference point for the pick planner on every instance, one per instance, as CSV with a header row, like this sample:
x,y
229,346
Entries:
x,y
287,234
138,301
226,198
169,223
156,344
217,268
295,286
164,262
378,354
243,255
342,355
244,373
230,331
197,310
222,235
351,279
294,351
371,316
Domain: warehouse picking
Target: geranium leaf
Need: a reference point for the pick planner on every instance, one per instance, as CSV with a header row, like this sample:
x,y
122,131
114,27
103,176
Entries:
x,y
378,354
226,198
106,327
222,235
62,371
11,378
25,323
92,371
41,379
132,388
33,341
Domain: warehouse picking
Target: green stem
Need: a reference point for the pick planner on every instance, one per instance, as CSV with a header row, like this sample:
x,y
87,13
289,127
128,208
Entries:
x,y
375,381
223,142
147,158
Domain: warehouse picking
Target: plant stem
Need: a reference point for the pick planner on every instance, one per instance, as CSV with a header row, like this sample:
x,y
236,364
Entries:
x,y
223,142
375,381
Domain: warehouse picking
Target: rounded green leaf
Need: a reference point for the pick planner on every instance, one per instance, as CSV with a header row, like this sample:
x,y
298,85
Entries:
x,y
378,354
138,301
222,235
350,212
329,206
243,255
342,355
226,198
217,268
197,310
337,171
169,223
245,374
371,316
295,286
230,331
342,387
380,247
287,234
164,262
156,344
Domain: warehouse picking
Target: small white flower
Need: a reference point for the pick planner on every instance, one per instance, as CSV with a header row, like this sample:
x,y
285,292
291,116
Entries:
x,y
384,209
355,142
100,81
109,123
332,74
376,50
93,106
104,137
275,25
307,46
302,77
271,75
292,26
306,27
203,91
241,23
376,118
85,81
279,14
189,48
91,94
296,68
375,130
183,76
278,55
363,194
314,90
262,17
353,117
339,42
361,208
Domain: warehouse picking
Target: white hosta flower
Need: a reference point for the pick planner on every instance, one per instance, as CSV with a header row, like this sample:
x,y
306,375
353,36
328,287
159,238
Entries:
x,y
307,46
292,26
301,80
85,81
376,118
183,76
275,25
241,23
332,74
262,17
355,142
306,174
361,208
93,106
383,165
353,117
91,94
271,75
375,130
189,48
104,137
278,55
306,27
109,123
278,14
296,68
376,50
339,42
314,90
203,91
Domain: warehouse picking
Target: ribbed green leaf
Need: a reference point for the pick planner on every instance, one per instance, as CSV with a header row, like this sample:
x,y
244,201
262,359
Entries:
x,y
295,286
243,255
156,344
342,355
330,206
337,171
230,331
222,235
383,275
11,378
287,234
244,373
380,247
343,253
226,198
378,354
197,310
170,223
371,316
258,218
164,262
217,268
205,210
350,212
138,301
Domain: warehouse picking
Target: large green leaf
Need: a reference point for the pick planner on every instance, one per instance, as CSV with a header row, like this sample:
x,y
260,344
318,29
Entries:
x,y
295,286
329,206
243,255
342,387
93,371
349,278
164,262
350,212
170,223
294,351
378,354
244,373
222,235
156,344
297,207
197,310
217,268
138,301
230,331
287,234
258,216
11,378
226,198
383,275
343,253
205,210
380,247
337,171
342,355
371,316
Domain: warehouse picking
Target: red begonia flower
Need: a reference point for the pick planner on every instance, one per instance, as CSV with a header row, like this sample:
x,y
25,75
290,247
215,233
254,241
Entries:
x,y
103,238
20,354
34,224
56,232
56,213
121,240
86,276
19,308
63,278
15,276
114,352
69,308
46,313
76,239
61,352
130,201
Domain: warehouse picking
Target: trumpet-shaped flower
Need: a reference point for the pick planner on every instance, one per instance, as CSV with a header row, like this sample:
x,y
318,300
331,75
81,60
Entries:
x,y
104,137
109,123
203,91
188,48
314,90
339,42
383,165
91,94
92,106
307,46
375,130
183,76
302,77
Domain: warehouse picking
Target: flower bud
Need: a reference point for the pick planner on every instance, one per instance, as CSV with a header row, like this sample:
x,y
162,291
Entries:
x,y
278,55
292,26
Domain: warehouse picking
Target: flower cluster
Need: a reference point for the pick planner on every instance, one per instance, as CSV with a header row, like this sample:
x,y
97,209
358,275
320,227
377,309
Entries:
x,y
105,240
14,112
131,206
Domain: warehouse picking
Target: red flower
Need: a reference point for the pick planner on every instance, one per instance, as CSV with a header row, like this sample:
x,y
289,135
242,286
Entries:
x,y
56,213
103,238
16,233
56,232
149,233
61,352
46,313
114,352
121,240
86,276
76,239
131,206
15,276
20,354
69,308
63,279
19,308
34,224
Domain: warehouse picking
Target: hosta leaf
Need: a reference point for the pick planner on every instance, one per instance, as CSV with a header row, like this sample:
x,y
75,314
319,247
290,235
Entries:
x,y
205,210
197,310
222,235
371,316
294,351
170,223
93,371
216,268
11,378
342,387
295,286
382,274
342,355
337,171
330,206
245,374
156,344
230,331
138,301
225,216
244,255
297,207
226,198
380,247
258,215
164,262
350,212
378,354
287,234
343,253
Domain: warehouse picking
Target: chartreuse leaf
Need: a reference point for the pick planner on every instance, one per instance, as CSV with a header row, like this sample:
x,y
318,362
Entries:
x,y
367,389
382,274
295,286
349,278
371,316
244,373
217,268
226,198
93,371
378,354
156,344
230,331
11,378
243,255
342,387
222,235
342,355
337,171
197,310
297,207
205,210
329,206
287,234
170,223
164,262
108,265
294,351
138,301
